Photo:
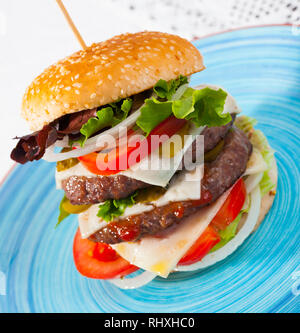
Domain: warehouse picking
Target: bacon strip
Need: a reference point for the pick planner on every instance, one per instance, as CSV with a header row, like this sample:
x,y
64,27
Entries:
x,y
32,146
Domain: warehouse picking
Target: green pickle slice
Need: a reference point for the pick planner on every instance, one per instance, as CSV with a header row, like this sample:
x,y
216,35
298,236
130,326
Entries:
x,y
73,209
212,154
66,164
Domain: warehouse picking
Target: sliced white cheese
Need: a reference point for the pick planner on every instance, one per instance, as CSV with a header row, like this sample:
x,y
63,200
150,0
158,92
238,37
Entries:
x,y
184,186
161,255
89,222
76,170
157,169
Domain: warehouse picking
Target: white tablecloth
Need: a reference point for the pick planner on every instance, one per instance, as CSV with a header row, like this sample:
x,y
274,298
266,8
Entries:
x,y
34,34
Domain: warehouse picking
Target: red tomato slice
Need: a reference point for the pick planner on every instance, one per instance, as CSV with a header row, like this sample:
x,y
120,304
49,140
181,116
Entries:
x,y
208,239
122,158
231,207
99,260
227,214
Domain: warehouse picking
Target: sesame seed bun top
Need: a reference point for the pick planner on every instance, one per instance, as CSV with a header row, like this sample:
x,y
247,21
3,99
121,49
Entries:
x,y
107,71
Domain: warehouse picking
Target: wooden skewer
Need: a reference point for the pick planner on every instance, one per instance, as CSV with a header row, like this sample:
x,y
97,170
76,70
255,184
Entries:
x,y
71,24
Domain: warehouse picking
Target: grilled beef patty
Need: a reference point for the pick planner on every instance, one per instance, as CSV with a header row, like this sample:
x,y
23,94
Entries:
x,y
219,176
81,190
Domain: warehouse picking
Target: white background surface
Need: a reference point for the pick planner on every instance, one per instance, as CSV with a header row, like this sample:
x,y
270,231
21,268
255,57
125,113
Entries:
x,y
34,34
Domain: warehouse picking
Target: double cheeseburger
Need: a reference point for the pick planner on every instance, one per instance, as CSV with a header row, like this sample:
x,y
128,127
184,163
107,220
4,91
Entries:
x,y
163,176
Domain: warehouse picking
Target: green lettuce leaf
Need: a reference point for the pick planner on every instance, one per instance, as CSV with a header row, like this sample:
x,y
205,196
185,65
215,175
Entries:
x,y
111,209
106,117
121,110
245,123
266,184
165,89
62,213
203,107
152,114
259,141
229,233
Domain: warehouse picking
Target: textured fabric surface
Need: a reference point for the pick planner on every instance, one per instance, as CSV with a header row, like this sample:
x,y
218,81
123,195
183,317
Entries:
x,y
196,18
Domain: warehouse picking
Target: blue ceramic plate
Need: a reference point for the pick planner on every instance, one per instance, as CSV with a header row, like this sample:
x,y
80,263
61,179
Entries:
x,y
261,68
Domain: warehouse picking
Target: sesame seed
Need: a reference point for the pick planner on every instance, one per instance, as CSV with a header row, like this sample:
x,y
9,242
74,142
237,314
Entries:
x,y
66,105
68,88
77,92
93,96
109,77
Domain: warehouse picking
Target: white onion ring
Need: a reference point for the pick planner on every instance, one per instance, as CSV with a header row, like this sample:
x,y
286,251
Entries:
x,y
134,282
233,244
51,156
252,181
179,92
